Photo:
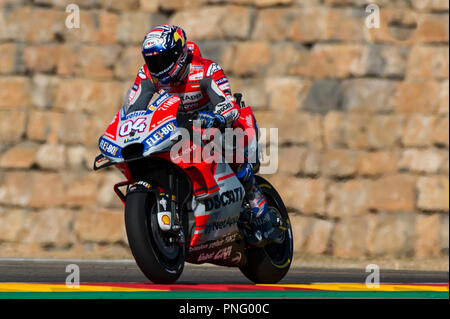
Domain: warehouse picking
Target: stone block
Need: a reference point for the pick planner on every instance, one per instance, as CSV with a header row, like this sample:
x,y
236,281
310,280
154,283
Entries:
x,y
100,226
428,241
394,193
347,199
305,195
13,126
422,161
350,237
11,224
19,156
15,92
49,227
43,126
418,130
319,239
433,193
391,234
417,97
436,65
51,156
340,163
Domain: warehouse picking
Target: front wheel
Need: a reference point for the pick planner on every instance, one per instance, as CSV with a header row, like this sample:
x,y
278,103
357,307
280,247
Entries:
x,y
269,264
160,259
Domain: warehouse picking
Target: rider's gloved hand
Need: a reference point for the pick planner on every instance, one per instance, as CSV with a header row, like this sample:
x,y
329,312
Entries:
x,y
210,119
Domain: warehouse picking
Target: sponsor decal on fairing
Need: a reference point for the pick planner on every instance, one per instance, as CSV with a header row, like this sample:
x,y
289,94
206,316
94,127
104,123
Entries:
x,y
221,224
108,148
135,125
224,199
160,134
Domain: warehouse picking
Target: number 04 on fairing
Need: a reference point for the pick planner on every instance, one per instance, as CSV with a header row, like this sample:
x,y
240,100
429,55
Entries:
x,y
186,212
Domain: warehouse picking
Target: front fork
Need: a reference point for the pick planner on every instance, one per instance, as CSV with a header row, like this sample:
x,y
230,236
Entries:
x,y
167,208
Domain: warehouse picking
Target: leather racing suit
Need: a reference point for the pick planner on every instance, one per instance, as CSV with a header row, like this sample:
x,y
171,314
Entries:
x,y
205,88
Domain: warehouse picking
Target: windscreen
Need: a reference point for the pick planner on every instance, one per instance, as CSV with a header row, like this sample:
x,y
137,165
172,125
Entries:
x,y
128,103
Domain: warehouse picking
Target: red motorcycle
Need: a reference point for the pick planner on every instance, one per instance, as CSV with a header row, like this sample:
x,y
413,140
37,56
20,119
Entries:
x,y
179,210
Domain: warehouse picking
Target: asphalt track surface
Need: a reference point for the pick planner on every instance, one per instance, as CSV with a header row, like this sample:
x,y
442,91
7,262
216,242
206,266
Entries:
x,y
126,271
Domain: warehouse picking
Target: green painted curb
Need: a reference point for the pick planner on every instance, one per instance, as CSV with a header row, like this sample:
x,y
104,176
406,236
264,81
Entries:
x,y
225,294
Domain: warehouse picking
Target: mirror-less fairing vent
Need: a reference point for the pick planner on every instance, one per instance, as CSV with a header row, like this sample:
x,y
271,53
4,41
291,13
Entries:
x,y
132,151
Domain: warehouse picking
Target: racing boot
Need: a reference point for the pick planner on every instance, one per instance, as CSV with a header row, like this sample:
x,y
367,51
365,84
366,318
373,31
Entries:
x,y
264,223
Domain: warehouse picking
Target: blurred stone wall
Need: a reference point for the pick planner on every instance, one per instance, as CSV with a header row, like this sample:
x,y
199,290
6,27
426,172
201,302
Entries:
x,y
363,117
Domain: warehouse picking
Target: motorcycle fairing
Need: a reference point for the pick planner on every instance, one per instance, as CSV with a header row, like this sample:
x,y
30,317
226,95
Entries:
x,y
110,149
226,251
215,235
151,127
157,140
217,216
201,174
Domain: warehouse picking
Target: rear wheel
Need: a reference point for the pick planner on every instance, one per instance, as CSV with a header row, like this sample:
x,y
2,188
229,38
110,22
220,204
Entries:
x,y
269,264
160,258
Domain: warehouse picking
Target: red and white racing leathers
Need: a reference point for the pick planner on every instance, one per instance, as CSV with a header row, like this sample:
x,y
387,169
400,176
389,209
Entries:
x,y
204,88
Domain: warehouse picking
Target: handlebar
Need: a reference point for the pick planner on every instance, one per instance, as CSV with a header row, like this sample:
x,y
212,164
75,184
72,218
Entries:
x,y
216,123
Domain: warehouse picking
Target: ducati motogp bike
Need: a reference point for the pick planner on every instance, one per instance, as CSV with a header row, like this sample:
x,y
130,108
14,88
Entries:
x,y
179,210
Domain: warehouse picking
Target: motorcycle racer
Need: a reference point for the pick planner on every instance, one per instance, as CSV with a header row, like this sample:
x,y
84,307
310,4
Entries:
x,y
174,65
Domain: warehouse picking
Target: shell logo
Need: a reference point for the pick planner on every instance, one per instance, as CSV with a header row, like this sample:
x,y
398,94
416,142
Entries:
x,y
165,219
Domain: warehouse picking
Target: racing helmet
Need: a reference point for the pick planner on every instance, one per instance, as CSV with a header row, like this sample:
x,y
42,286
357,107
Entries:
x,y
165,53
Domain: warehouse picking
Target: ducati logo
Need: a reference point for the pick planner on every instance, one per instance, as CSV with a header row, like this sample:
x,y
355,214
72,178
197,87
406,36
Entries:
x,y
224,199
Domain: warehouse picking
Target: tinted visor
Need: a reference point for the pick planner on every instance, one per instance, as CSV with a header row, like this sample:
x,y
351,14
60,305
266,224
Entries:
x,y
162,61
